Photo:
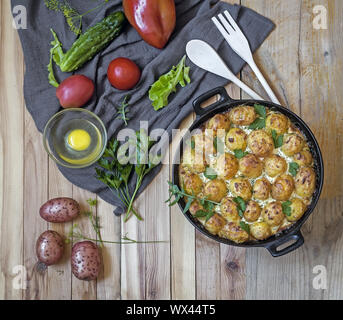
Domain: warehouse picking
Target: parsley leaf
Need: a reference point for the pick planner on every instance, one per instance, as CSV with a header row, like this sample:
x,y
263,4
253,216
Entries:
x,y
293,168
210,173
244,226
260,110
278,140
167,83
241,205
259,123
239,154
286,208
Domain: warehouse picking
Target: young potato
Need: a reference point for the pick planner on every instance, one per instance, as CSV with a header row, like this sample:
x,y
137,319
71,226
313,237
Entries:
x,y
298,209
243,115
305,182
49,247
234,232
283,187
195,162
195,207
275,165
272,213
228,209
218,122
215,223
192,183
277,122
215,190
227,166
260,230
252,211
303,158
292,144
203,143
241,187
250,166
236,139
261,143
85,260
59,210
262,189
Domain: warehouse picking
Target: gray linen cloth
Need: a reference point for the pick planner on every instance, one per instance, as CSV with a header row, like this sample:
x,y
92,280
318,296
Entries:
x,y
193,22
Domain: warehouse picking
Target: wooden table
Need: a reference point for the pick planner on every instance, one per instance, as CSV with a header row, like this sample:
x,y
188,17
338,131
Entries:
x,y
304,66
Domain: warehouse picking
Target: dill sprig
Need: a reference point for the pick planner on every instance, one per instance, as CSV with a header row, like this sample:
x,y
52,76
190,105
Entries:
x,y
123,110
72,16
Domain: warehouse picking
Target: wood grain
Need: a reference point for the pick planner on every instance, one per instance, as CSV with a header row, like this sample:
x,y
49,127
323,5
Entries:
x,y
303,66
11,154
59,275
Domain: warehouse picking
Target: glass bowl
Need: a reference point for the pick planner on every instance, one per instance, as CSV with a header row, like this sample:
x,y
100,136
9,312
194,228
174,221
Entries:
x,y
57,132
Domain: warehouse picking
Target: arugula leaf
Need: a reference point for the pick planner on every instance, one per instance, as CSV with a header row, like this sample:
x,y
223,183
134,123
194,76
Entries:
x,y
260,110
239,154
56,55
293,168
286,208
278,140
210,173
259,123
244,226
167,83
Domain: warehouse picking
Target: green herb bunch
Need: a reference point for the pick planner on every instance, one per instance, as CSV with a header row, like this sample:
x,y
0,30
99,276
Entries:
x,y
116,175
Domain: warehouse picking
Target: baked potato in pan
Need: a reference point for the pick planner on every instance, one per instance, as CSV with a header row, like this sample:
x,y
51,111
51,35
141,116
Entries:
x,y
276,169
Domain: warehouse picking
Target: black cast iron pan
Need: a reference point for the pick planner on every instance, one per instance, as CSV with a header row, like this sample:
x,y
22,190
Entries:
x,y
293,234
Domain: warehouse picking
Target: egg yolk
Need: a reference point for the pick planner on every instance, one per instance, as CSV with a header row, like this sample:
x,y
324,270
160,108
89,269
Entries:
x,y
79,140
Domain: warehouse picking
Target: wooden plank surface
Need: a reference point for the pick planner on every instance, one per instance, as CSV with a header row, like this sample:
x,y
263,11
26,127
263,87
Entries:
x,y
303,66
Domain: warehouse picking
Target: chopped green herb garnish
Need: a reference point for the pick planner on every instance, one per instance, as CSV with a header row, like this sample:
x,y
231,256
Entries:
x,y
239,154
286,208
210,173
293,168
244,226
259,123
278,139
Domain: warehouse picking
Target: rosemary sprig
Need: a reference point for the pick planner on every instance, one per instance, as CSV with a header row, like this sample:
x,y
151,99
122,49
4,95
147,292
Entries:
x,y
123,109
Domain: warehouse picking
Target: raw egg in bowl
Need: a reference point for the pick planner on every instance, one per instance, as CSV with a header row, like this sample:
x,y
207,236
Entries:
x,y
75,138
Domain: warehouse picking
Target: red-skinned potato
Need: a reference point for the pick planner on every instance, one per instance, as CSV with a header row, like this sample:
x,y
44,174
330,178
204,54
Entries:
x,y
59,210
49,247
75,91
85,260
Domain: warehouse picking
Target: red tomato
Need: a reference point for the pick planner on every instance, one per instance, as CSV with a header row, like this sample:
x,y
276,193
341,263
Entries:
x,y
75,91
123,73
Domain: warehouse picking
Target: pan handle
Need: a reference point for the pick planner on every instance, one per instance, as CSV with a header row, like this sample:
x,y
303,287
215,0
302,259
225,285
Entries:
x,y
224,97
278,253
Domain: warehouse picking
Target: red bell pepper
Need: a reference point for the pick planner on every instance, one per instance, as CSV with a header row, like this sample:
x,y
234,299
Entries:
x,y
153,19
